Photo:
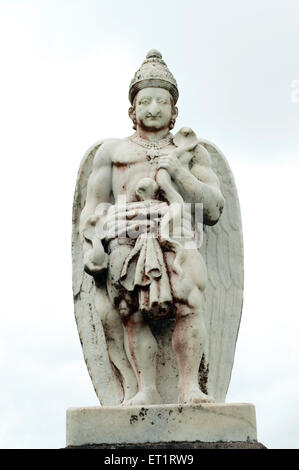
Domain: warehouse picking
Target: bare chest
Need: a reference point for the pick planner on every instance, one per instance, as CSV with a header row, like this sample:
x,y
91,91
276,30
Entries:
x,y
132,162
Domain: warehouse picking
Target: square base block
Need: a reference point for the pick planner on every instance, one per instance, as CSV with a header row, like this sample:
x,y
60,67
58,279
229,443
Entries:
x,y
161,423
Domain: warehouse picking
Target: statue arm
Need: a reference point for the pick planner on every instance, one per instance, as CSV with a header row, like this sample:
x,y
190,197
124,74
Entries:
x,y
207,191
99,188
200,184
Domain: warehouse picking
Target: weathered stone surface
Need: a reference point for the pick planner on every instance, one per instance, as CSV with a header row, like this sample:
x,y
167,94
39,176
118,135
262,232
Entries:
x,y
175,445
158,281
157,316
161,425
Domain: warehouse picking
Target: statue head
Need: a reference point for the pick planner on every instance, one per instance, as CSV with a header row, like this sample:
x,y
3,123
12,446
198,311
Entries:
x,y
153,109
153,94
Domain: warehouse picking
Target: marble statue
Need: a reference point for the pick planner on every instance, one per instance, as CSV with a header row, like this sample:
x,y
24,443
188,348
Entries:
x,y
157,316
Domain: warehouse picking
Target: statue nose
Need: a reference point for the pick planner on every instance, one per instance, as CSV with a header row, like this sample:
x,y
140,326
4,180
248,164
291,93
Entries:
x,y
154,108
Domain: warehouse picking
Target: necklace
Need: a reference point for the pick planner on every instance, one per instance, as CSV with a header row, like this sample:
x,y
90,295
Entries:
x,y
153,147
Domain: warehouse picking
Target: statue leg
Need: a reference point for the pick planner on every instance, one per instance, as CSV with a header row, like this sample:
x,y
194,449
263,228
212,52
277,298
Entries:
x,y
114,335
189,339
141,348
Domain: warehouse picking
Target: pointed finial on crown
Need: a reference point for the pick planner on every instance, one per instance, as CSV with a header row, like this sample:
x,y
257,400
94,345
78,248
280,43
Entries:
x,y
154,53
153,73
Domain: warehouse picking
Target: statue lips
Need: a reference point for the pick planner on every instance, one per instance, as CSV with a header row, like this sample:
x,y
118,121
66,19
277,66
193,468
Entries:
x,y
151,116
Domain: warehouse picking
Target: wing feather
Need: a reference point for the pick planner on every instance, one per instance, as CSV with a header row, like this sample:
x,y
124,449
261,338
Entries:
x,y
223,252
90,328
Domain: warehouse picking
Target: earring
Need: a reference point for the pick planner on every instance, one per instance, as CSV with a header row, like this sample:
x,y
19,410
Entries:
x,y
171,124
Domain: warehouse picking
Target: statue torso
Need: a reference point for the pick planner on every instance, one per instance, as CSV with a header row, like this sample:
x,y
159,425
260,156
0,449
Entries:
x,y
130,163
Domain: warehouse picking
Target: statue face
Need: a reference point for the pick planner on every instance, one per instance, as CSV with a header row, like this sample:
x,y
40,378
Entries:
x,y
154,109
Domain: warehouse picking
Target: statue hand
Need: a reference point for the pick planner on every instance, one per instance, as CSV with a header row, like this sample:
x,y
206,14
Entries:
x,y
95,258
172,164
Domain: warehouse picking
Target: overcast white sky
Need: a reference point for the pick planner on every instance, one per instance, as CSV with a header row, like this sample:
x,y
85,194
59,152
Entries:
x,y
65,71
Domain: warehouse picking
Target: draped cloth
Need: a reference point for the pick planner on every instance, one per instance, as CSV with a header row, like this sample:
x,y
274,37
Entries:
x,y
145,268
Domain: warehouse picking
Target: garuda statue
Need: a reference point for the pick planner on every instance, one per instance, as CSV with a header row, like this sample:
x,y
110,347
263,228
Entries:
x,y
157,313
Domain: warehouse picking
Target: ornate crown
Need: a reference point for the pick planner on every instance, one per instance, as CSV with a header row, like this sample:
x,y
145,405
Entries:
x,y
153,73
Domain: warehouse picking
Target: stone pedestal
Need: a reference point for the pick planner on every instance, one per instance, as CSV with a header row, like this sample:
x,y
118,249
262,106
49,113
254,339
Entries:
x,y
147,425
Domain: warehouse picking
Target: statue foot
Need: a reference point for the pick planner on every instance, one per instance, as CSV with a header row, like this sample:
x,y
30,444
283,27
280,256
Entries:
x,y
195,396
144,397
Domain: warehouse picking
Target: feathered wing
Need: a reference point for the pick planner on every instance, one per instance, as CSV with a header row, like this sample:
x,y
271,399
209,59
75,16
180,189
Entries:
x,y
222,250
88,318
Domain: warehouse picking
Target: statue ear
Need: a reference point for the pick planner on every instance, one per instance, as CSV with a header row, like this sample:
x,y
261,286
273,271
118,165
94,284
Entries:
x,y
175,112
131,112
132,116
